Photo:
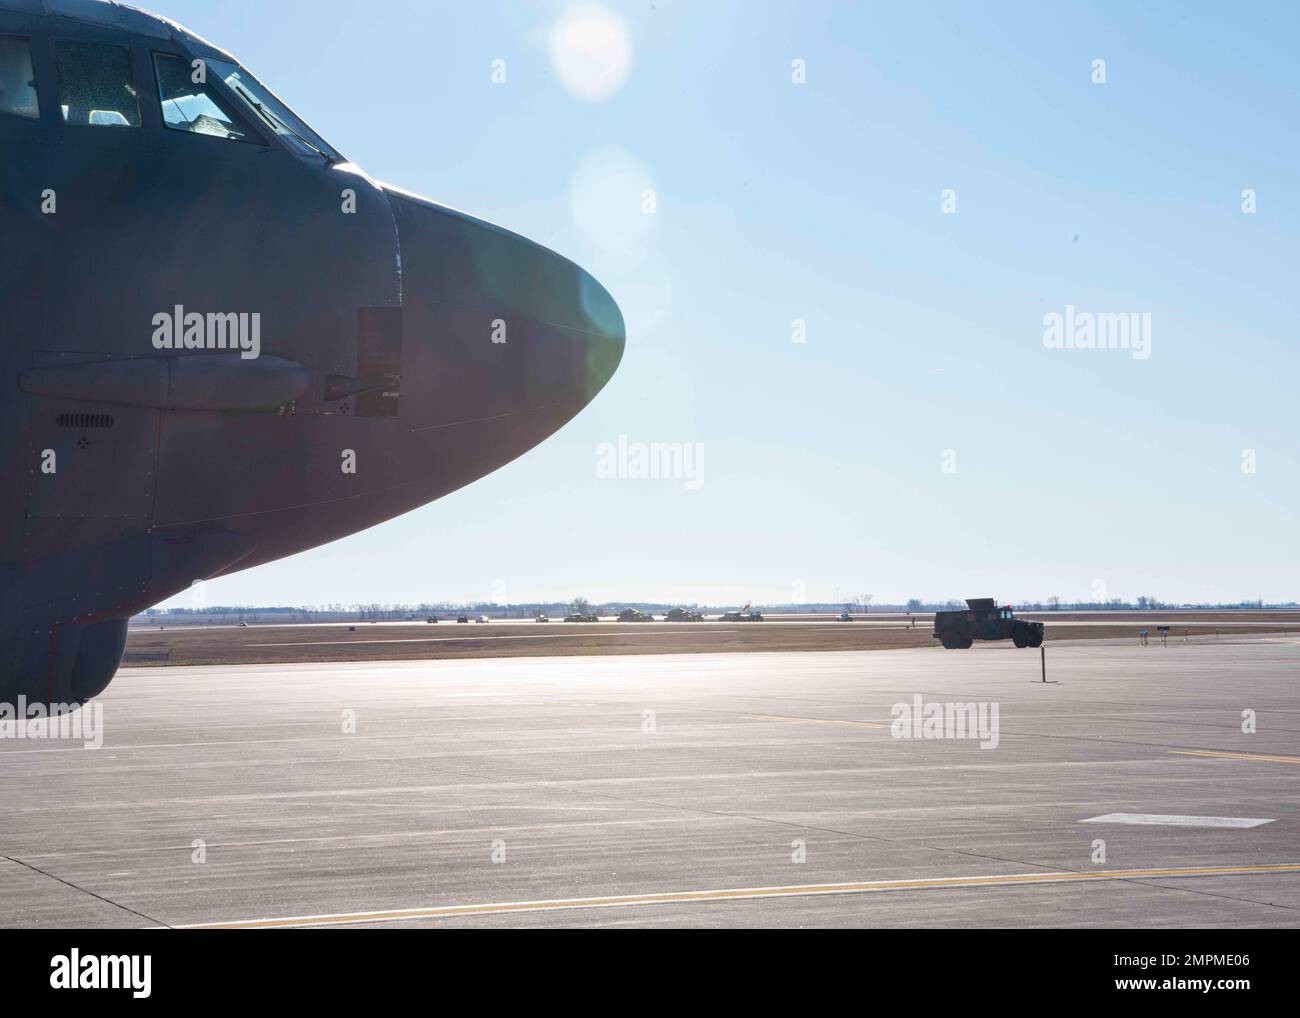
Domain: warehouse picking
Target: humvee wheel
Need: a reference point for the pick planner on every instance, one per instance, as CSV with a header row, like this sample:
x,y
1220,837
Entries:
x,y
1036,640
949,644
1019,640
966,643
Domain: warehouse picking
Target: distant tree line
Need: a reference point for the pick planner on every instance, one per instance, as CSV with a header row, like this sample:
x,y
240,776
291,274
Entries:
x,y
863,604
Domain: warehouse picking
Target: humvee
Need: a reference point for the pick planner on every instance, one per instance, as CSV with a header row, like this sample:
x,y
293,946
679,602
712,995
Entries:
x,y
983,619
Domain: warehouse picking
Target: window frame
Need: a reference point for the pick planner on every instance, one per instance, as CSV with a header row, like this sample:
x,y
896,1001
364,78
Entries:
x,y
252,132
275,138
39,116
56,41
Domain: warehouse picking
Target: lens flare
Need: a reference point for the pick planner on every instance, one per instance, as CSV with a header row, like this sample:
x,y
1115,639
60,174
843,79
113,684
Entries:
x,y
591,52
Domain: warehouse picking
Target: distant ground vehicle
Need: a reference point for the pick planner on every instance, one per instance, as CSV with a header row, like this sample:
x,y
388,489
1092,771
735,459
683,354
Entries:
x,y
579,617
742,614
462,618
543,618
983,619
482,619
632,615
683,615
845,617
243,625
431,619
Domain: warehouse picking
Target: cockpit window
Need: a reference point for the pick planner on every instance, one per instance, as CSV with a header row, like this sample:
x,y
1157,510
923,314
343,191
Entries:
x,y
195,106
267,109
17,83
96,86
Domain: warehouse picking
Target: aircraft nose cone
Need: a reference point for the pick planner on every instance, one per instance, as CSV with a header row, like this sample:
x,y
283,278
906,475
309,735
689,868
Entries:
x,y
607,335
573,323
496,328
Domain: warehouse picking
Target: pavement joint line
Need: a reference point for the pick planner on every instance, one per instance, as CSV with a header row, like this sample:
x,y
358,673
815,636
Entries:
x,y
84,890
1226,755
811,721
1089,740
734,894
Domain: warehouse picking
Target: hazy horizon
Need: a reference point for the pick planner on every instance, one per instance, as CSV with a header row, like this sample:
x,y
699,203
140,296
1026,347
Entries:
x,y
1031,604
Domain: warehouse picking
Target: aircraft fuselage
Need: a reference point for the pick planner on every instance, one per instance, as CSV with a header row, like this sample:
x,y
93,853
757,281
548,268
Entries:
x,y
223,344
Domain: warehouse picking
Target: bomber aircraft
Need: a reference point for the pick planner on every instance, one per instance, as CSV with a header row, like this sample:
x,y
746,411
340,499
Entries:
x,y
222,343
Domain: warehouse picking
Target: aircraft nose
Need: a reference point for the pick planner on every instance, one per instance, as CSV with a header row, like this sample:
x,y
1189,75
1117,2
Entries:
x,y
496,328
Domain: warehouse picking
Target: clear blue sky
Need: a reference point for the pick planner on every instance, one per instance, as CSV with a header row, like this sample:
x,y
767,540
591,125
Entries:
x,y
822,461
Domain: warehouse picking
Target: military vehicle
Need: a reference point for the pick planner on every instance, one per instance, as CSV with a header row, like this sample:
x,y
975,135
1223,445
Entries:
x,y
580,617
984,619
683,615
632,615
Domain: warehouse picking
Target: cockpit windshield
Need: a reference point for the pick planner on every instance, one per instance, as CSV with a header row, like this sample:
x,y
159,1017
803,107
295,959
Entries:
x,y
267,109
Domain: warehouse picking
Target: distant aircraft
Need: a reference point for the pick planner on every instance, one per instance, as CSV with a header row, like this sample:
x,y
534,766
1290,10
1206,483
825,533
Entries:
x,y
223,343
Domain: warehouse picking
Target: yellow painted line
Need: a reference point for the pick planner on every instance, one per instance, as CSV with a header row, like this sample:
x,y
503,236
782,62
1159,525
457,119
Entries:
x,y
733,894
812,721
1236,756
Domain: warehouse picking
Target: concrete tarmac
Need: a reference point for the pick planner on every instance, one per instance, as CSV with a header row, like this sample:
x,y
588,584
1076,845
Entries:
x,y
673,790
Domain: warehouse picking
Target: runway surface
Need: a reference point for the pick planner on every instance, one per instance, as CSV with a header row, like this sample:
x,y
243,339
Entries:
x,y
679,790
